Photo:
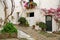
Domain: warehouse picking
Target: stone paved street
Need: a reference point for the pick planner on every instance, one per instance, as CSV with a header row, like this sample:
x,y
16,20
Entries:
x,y
33,33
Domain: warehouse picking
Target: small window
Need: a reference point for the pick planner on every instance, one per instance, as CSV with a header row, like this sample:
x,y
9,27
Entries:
x,y
30,14
30,0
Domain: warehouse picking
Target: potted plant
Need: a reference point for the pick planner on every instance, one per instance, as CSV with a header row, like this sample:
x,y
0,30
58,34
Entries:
x,y
33,27
8,31
23,21
42,26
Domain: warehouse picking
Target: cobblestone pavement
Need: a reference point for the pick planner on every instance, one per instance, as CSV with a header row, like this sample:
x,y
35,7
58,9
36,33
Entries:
x,y
33,33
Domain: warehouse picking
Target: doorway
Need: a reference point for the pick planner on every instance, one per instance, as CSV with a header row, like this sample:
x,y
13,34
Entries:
x,y
49,22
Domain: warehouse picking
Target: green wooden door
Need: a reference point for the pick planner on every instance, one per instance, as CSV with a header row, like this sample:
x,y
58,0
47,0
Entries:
x,y
49,22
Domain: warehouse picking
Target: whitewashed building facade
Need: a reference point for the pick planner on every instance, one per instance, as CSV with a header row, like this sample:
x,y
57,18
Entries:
x,y
32,15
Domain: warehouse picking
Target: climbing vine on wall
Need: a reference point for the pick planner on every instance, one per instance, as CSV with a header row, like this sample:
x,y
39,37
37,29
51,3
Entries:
x,y
54,12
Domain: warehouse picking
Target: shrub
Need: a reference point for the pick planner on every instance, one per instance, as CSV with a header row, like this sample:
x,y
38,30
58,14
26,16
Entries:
x,y
42,25
23,21
9,28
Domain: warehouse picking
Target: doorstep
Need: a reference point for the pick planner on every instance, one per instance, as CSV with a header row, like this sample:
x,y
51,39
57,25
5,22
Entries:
x,y
49,31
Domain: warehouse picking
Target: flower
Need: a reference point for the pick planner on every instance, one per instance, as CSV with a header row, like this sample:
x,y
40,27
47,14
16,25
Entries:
x,y
26,4
30,5
50,11
58,9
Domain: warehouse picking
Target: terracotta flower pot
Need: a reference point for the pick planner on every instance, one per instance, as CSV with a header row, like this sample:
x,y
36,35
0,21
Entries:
x,y
14,35
7,35
43,29
33,27
2,36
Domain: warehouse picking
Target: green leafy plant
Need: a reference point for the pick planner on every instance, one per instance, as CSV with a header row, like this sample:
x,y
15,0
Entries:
x,y
9,28
23,21
42,25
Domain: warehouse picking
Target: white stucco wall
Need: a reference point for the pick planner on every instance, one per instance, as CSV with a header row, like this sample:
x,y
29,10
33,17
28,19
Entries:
x,y
38,15
45,4
54,25
49,3
41,3
1,11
